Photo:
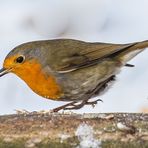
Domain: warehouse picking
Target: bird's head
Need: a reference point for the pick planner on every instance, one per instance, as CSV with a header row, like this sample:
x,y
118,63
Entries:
x,y
22,59
28,61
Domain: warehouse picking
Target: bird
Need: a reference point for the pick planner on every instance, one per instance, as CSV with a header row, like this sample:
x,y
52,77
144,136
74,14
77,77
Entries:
x,y
70,70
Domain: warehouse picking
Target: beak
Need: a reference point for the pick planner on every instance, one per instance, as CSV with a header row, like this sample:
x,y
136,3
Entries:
x,y
4,71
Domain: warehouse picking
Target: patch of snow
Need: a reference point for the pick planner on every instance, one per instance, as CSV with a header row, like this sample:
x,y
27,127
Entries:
x,y
85,135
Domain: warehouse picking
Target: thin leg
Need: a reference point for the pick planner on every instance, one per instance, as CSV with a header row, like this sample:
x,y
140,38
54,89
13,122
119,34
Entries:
x,y
75,105
83,103
64,106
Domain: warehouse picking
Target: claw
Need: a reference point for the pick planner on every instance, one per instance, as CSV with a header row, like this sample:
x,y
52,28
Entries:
x,y
93,103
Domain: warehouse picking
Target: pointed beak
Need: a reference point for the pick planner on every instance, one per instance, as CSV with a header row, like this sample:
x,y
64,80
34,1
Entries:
x,y
4,71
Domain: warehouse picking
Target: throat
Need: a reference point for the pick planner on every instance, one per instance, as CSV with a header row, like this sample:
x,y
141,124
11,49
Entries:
x,y
42,84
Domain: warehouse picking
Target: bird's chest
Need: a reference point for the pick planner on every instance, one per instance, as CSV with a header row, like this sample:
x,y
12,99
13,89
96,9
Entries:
x,y
46,87
41,83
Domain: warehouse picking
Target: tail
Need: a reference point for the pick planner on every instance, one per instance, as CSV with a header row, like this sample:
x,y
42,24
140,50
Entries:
x,y
129,52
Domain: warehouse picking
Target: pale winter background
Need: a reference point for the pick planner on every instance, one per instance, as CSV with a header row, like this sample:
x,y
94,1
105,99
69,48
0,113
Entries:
x,y
114,21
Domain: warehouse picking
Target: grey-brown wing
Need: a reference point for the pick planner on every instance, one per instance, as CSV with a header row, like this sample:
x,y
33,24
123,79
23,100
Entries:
x,y
77,54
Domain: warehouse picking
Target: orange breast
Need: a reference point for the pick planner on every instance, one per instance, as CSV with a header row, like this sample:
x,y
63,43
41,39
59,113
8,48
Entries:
x,y
41,83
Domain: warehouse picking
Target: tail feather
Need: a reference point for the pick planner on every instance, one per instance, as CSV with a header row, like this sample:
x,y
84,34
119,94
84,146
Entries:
x,y
126,54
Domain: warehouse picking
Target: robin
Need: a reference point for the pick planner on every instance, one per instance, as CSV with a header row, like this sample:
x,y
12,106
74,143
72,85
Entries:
x,y
69,70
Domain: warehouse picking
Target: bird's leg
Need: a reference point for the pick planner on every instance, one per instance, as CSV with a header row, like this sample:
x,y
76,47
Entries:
x,y
83,103
75,105
64,106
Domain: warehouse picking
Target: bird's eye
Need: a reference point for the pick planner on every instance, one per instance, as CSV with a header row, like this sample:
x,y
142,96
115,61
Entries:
x,y
20,59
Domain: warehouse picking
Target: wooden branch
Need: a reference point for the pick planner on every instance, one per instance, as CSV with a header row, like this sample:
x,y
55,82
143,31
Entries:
x,y
55,130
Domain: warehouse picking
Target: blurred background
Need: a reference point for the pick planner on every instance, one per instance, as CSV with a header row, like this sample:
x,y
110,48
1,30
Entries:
x,y
114,21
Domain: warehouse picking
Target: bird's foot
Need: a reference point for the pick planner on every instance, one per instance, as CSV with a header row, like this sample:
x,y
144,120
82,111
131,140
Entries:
x,y
76,105
93,103
83,103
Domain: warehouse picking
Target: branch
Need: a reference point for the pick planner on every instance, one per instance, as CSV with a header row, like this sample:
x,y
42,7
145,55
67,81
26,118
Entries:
x,y
56,130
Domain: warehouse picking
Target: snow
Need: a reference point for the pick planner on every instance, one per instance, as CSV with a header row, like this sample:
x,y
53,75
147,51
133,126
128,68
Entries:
x,y
85,134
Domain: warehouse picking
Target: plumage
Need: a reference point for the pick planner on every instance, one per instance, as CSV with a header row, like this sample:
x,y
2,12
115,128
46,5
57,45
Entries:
x,y
74,70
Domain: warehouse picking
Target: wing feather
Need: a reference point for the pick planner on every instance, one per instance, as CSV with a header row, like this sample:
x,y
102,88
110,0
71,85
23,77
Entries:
x,y
73,55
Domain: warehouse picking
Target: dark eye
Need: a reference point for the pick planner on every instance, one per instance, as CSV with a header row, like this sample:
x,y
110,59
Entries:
x,y
20,59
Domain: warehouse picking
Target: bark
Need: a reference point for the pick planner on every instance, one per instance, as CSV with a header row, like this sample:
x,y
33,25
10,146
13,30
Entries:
x,y
56,130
